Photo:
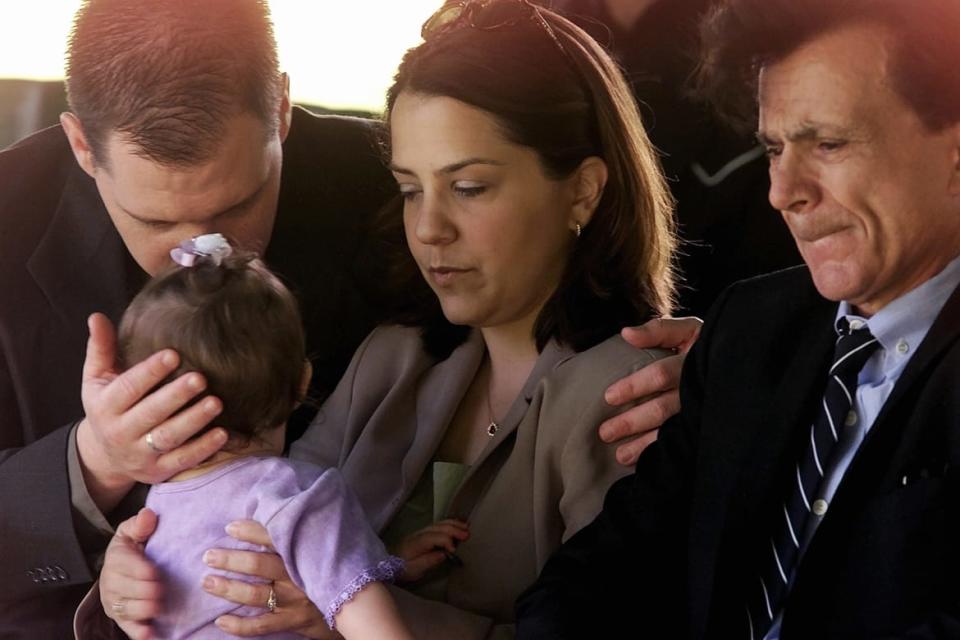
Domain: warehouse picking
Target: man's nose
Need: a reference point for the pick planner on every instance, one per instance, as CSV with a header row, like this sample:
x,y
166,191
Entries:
x,y
793,185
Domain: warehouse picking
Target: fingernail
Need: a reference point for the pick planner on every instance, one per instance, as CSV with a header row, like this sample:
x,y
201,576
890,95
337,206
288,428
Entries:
x,y
233,529
210,557
611,396
195,382
209,583
211,406
168,358
220,624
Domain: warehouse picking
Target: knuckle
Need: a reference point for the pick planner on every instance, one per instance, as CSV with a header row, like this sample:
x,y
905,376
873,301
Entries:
x,y
615,427
160,436
126,386
659,375
182,459
659,410
259,626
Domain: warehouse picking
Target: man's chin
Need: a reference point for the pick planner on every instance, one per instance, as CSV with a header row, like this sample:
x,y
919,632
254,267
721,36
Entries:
x,y
834,281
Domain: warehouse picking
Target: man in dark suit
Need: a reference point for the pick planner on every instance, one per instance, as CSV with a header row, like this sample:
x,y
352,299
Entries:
x,y
167,139
809,488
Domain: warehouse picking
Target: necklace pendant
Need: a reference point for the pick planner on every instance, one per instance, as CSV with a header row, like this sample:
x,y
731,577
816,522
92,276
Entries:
x,y
492,429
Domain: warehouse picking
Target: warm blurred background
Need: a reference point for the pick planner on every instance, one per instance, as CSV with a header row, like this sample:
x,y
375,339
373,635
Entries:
x,y
340,55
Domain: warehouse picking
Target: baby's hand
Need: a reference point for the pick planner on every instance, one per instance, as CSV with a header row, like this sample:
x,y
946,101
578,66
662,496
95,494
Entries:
x,y
430,546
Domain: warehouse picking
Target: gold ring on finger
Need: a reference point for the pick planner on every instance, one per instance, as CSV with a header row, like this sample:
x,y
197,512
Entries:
x,y
119,606
151,444
272,601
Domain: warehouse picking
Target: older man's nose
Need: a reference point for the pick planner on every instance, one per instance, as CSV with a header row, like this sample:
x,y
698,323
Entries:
x,y
793,187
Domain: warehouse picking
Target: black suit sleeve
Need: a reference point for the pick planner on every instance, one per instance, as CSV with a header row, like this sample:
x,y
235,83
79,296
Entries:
x,y
627,569
40,547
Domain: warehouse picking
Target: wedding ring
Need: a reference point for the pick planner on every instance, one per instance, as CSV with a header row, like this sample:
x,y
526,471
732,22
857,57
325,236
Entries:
x,y
119,606
272,601
153,447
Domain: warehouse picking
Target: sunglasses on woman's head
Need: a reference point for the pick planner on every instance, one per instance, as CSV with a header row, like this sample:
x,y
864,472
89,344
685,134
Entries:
x,y
487,15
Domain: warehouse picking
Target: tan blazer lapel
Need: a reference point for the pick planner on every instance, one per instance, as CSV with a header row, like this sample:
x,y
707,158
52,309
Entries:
x,y
438,396
498,448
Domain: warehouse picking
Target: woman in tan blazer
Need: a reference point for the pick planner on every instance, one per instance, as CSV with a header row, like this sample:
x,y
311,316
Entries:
x,y
535,223
534,209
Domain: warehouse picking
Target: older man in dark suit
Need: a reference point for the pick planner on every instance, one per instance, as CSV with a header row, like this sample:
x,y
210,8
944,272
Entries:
x,y
809,487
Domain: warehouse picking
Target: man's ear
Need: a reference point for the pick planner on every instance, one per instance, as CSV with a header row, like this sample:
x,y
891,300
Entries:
x,y
285,110
588,182
73,129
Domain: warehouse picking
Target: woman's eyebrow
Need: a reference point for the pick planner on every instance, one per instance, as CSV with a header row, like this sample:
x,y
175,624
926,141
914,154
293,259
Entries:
x,y
450,168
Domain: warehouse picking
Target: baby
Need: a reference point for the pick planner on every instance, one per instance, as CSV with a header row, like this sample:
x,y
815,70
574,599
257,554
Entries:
x,y
232,320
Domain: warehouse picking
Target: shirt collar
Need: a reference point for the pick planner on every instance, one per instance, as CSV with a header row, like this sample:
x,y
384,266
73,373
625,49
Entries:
x,y
902,325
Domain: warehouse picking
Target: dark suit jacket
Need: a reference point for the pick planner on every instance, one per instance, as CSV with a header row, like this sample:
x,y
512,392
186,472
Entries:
x,y
676,543
61,259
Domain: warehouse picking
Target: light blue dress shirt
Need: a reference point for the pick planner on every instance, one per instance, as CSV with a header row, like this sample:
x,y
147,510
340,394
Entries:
x,y
899,327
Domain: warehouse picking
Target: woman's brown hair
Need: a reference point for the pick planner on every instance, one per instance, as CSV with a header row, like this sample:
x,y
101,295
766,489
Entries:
x,y
552,88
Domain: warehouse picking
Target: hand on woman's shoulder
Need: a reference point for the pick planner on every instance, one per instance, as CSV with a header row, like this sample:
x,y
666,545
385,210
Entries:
x,y
590,372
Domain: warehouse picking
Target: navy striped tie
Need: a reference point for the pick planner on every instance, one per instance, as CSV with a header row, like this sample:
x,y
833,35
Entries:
x,y
778,560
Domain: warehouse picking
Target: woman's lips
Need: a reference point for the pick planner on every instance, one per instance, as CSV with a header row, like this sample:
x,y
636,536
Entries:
x,y
445,276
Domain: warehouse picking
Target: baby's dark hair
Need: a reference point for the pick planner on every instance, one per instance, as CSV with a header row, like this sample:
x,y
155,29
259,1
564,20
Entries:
x,y
235,323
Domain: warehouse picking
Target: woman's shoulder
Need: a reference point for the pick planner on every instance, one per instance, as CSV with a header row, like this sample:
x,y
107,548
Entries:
x,y
390,348
603,363
571,395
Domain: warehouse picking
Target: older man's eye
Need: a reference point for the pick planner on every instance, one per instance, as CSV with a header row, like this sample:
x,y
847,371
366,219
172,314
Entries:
x,y
831,145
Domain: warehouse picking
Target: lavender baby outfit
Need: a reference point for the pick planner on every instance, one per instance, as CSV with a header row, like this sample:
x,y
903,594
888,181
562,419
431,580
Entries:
x,y
314,520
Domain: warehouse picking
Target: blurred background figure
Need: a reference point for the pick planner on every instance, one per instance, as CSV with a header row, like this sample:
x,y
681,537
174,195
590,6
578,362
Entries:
x,y
313,44
718,176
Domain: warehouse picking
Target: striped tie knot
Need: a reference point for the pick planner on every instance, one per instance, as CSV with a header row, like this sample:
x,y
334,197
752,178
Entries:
x,y
854,348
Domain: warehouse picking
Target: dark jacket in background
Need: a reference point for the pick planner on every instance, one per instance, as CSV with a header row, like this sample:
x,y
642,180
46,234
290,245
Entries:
x,y
718,177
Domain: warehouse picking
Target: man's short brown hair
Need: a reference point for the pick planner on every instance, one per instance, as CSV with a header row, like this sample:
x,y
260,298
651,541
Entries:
x,y
235,323
166,74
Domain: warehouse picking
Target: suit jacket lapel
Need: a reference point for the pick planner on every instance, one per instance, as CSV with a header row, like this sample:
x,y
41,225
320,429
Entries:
x,y
81,257
754,457
790,413
552,354
438,396
499,446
